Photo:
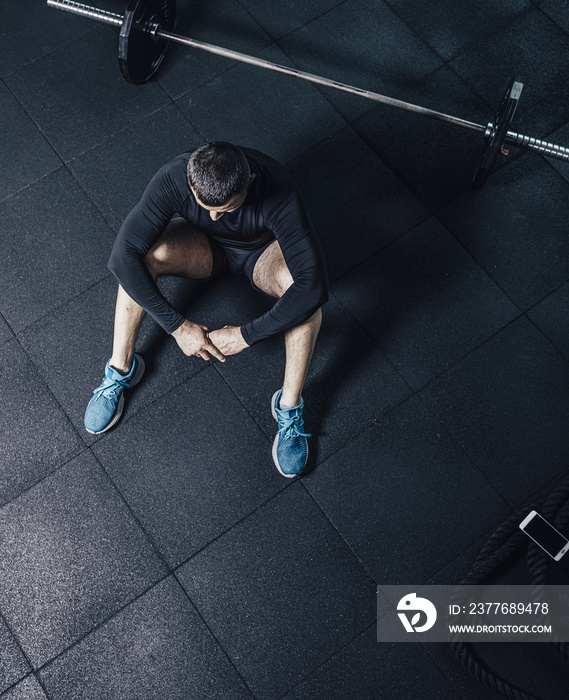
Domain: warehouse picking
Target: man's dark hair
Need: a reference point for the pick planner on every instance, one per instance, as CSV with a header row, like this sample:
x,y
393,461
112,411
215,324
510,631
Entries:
x,y
217,172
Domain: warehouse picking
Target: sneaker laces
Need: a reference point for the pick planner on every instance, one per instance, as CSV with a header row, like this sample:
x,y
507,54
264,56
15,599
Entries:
x,y
292,426
110,387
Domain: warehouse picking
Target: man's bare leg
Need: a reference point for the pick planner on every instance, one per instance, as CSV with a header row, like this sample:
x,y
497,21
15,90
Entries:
x,y
181,251
128,319
272,276
290,447
299,346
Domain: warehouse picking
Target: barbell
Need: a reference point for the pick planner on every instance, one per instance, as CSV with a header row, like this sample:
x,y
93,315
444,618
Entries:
x,y
146,28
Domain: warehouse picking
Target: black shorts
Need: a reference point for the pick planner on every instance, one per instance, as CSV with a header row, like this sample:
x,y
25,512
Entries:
x,y
235,260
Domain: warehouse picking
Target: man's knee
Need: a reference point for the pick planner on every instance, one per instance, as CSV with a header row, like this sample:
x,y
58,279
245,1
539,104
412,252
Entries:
x,y
151,264
282,279
157,259
160,257
271,273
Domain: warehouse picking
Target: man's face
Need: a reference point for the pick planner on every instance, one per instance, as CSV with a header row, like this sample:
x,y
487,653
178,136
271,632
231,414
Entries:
x,y
233,204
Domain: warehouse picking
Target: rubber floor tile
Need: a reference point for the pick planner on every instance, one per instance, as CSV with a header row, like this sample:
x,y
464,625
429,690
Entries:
x,y
504,404
281,592
71,347
225,23
157,647
13,664
254,118
71,556
29,154
516,230
5,332
28,689
434,159
62,93
356,203
35,435
550,316
558,11
31,29
561,138
458,569
425,301
349,384
366,669
380,489
279,19
535,50
364,44
58,247
191,465
448,27
115,174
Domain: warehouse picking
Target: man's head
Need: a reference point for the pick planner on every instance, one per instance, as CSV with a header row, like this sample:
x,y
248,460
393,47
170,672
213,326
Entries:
x,y
219,174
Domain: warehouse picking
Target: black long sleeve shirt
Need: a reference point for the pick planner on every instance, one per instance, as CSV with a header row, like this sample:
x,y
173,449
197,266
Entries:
x,y
273,209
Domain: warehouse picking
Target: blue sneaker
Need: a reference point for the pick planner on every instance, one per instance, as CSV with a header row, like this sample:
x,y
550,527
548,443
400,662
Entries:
x,y
106,406
290,448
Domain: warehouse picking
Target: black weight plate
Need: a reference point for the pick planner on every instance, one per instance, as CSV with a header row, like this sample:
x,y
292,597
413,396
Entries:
x,y
496,133
140,54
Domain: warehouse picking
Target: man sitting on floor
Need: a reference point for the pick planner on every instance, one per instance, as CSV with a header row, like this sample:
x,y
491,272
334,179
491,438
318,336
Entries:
x,y
219,209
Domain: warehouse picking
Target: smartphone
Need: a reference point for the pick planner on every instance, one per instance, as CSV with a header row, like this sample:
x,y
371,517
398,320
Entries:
x,y
545,535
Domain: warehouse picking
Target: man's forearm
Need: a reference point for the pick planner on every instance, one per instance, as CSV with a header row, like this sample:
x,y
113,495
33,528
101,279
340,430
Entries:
x,y
297,305
135,278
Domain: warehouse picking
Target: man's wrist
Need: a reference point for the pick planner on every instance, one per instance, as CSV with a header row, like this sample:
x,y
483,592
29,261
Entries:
x,y
176,330
243,336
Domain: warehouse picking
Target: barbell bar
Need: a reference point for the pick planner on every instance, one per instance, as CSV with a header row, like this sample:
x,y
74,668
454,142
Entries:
x,y
145,30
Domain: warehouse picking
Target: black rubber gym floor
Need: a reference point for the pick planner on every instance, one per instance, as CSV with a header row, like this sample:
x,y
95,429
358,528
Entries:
x,y
167,559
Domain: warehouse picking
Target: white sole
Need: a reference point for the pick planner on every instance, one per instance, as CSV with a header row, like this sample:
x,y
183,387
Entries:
x,y
114,420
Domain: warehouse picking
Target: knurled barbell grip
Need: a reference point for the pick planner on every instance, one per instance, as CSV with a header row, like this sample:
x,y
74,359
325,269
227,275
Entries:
x,y
78,8
551,150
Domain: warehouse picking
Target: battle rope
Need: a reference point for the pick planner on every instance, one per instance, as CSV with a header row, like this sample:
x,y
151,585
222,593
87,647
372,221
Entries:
x,y
499,548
